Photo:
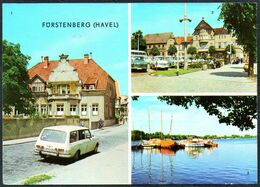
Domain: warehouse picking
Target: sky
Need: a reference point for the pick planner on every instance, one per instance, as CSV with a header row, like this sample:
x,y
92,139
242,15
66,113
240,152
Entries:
x,y
195,121
164,17
22,23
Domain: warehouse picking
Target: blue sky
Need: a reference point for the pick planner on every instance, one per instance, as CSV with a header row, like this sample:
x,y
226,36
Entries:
x,y
22,23
164,17
185,121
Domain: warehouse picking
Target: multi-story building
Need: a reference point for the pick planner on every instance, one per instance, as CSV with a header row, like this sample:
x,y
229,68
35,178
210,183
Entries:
x,y
77,88
180,45
205,36
160,40
202,38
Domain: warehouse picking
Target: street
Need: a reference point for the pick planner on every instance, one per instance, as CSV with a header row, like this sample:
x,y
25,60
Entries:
x,y
227,79
20,162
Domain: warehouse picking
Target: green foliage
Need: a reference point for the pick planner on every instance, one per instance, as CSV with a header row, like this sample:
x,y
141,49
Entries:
x,y
135,98
155,51
212,50
36,179
134,41
238,111
192,50
137,135
227,50
240,19
172,50
141,135
197,64
16,90
173,72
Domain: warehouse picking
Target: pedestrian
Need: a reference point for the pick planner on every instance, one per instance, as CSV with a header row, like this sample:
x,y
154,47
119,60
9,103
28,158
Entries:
x,y
100,123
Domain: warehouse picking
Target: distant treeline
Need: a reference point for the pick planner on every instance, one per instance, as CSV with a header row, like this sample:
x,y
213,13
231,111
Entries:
x,y
141,135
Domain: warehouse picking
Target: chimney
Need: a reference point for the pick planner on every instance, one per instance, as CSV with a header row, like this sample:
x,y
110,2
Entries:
x,y
90,55
46,62
86,58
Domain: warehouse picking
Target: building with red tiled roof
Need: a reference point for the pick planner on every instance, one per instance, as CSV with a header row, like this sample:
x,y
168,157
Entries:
x,y
202,38
160,40
74,87
205,36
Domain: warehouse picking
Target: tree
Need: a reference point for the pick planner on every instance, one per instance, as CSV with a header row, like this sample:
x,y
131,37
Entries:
x,y
192,51
240,19
155,51
172,50
238,111
16,90
212,51
138,35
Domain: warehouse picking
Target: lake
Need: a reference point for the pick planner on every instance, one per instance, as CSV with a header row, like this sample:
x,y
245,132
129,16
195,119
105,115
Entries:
x,y
234,161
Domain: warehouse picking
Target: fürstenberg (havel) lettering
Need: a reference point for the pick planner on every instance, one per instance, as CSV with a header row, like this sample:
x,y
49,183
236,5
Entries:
x,y
63,24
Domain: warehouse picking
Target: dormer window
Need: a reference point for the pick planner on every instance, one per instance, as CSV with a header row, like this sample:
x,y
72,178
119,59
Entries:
x,y
89,87
38,87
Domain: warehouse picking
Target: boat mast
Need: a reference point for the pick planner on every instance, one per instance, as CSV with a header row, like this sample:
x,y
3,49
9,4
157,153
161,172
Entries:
x,y
170,127
161,124
149,124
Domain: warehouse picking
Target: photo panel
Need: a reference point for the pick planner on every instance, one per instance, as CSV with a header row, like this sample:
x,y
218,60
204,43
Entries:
x,y
65,93
194,140
193,48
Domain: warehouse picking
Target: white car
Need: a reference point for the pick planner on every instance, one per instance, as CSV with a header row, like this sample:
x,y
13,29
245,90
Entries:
x,y
160,62
66,141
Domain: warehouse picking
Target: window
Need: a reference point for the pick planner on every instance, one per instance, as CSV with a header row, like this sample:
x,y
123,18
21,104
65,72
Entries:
x,y
82,135
38,87
225,44
36,108
55,136
73,109
60,110
83,110
219,44
73,136
94,109
50,111
87,133
43,109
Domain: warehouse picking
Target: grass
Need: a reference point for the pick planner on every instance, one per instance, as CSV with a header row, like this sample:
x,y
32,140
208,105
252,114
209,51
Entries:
x,y
36,179
174,71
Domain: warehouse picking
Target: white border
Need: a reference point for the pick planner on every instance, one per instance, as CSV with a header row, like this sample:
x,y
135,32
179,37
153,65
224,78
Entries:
x,y
129,97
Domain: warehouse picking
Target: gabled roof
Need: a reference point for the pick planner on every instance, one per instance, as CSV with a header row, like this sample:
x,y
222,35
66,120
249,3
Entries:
x,y
220,31
180,39
158,38
86,72
203,25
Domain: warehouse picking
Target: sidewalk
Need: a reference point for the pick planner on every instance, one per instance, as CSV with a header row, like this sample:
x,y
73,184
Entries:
x,y
109,167
33,139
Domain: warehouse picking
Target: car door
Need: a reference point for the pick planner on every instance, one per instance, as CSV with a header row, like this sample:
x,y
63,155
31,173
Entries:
x,y
73,140
89,141
83,141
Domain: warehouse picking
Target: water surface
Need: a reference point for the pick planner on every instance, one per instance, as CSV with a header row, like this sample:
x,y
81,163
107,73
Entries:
x,y
234,161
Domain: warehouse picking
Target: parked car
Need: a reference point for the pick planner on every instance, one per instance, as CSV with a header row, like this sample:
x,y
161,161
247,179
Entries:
x,y
172,61
66,141
160,62
139,62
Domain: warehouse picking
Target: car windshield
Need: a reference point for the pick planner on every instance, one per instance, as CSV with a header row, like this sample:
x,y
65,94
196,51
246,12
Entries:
x,y
53,136
138,58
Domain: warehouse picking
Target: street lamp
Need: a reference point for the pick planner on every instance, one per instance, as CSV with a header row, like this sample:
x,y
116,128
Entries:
x,y
185,37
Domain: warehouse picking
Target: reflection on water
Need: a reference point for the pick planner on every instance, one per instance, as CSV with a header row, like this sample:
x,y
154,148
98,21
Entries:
x,y
197,165
195,152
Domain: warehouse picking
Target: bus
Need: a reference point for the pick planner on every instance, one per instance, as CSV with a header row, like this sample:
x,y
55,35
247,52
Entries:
x,y
139,60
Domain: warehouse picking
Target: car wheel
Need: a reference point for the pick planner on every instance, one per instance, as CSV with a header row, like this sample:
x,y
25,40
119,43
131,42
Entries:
x,y
76,156
95,149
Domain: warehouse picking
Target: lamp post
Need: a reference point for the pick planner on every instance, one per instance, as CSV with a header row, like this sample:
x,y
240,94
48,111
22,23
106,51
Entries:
x,y
185,37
